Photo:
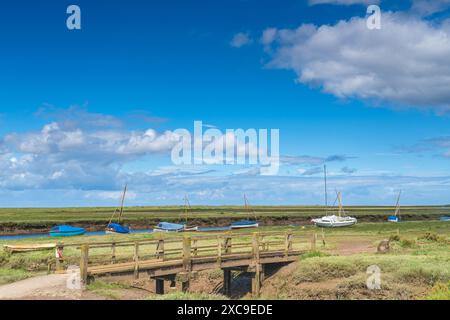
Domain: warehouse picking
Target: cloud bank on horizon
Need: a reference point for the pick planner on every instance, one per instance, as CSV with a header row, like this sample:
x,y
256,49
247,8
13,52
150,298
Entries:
x,y
87,164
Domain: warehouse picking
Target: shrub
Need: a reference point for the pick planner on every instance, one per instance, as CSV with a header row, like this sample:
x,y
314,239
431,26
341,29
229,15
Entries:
x,y
440,291
394,237
429,236
405,243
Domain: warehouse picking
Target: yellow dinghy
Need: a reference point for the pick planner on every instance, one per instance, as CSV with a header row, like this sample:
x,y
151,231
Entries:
x,y
28,248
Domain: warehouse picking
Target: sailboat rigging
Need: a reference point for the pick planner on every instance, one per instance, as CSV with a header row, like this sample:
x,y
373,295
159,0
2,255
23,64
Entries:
x,y
187,208
117,227
246,223
396,216
334,221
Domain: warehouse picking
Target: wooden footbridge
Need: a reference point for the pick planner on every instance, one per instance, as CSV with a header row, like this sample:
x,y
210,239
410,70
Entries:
x,y
179,260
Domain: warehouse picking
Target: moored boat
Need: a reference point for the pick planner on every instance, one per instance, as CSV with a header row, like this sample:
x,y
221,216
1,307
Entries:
x,y
334,221
117,227
244,224
396,216
187,207
66,231
169,227
28,248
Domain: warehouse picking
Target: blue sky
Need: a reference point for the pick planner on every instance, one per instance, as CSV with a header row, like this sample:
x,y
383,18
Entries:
x,y
76,106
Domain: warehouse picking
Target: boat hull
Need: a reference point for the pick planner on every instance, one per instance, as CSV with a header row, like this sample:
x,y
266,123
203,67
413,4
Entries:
x,y
393,219
66,231
117,228
169,227
244,226
66,234
167,230
334,222
28,248
190,228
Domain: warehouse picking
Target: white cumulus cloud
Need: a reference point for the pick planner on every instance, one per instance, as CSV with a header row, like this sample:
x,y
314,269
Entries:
x,y
406,63
240,39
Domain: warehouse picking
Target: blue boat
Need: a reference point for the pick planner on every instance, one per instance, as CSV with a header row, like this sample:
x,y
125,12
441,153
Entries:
x,y
66,231
446,219
396,216
393,219
116,228
169,227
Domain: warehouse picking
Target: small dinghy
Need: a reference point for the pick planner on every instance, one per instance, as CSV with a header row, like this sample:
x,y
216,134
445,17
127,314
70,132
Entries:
x,y
396,216
117,227
246,223
66,231
169,227
28,248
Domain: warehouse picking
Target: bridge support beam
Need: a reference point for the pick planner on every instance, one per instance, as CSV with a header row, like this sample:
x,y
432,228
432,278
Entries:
x,y
185,286
159,286
227,282
257,278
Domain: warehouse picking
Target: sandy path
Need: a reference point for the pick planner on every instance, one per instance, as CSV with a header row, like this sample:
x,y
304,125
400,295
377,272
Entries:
x,y
52,285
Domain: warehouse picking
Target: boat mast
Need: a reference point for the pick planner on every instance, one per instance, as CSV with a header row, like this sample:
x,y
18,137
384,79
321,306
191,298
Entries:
x,y
248,209
187,205
326,193
121,202
339,196
397,206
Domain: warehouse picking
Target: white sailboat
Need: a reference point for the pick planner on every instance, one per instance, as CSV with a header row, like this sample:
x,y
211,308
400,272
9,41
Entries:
x,y
334,221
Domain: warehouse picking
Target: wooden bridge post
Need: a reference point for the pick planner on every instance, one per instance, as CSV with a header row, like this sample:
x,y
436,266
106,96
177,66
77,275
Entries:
x,y
136,260
186,263
219,250
227,244
84,264
313,242
287,243
194,247
227,282
160,249
256,279
255,247
59,266
159,286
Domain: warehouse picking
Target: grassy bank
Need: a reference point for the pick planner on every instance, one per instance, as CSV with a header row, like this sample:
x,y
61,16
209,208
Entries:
x,y
95,218
418,266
